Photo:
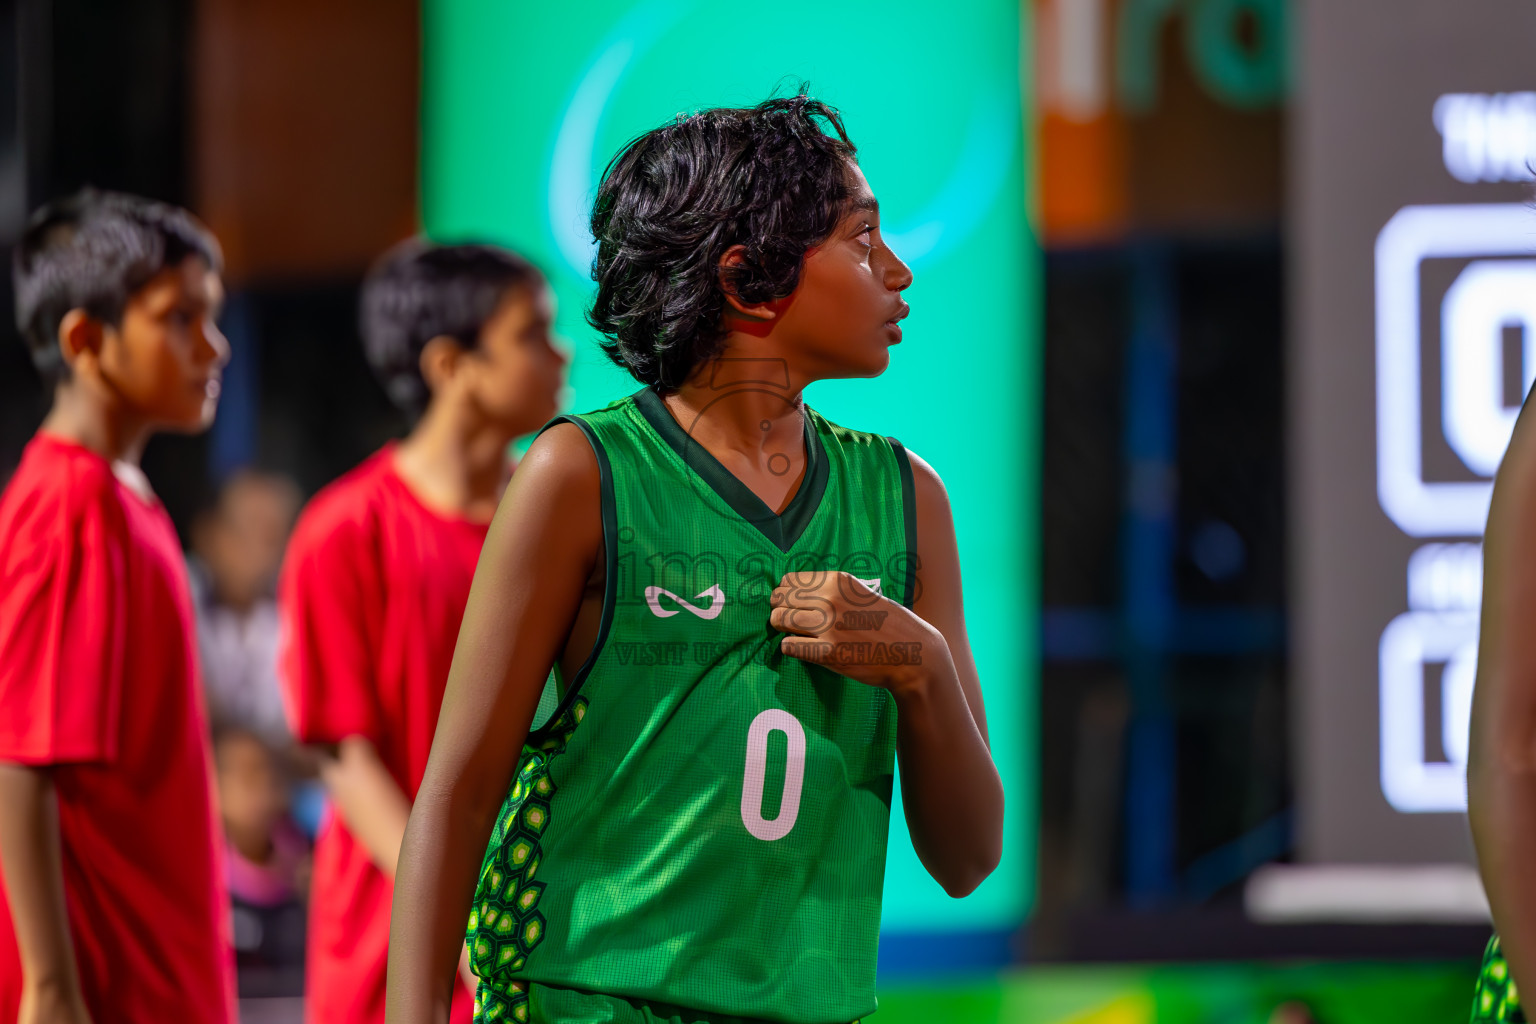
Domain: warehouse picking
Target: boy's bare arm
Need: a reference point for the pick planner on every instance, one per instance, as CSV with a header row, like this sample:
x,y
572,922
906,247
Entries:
x,y
950,789
1501,770
34,884
949,786
374,807
368,799
538,556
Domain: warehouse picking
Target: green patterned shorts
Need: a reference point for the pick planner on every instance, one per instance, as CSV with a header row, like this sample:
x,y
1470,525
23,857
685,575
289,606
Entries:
x,y
547,1004
1496,998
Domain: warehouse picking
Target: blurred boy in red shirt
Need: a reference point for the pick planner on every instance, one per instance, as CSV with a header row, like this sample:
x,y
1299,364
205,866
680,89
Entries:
x,y
116,905
377,574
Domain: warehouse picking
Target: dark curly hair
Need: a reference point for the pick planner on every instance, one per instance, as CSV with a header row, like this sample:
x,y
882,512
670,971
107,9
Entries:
x,y
771,178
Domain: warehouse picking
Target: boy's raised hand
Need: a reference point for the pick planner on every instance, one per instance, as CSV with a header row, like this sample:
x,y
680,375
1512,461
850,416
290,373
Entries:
x,y
834,619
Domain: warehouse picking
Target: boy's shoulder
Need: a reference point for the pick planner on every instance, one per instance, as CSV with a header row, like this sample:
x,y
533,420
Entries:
x,y
604,428
350,503
850,435
56,484
615,411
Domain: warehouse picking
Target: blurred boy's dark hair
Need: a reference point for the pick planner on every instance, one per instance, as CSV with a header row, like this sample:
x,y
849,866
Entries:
x,y
92,250
771,178
419,291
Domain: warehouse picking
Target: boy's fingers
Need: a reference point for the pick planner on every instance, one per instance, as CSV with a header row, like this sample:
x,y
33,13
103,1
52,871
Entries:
x,y
804,621
783,594
805,581
814,651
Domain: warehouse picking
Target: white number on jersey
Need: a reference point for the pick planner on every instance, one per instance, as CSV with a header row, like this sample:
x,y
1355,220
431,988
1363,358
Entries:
x,y
757,769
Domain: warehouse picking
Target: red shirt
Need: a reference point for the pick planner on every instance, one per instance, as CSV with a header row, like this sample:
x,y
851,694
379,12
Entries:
x,y
98,678
372,592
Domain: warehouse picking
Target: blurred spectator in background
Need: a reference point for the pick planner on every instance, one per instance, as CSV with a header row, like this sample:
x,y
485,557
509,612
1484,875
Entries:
x,y
266,864
237,546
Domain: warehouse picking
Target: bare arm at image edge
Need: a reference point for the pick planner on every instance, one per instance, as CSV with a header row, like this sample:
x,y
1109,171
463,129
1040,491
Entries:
x,y
538,556
1501,770
32,856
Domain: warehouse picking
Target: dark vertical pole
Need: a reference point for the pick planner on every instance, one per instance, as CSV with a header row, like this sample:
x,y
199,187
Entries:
x,y
1148,547
34,95
232,439
13,150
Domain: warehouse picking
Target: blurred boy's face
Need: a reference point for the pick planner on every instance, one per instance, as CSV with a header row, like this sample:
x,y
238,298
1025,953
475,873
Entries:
x,y
250,792
165,356
842,317
242,540
514,375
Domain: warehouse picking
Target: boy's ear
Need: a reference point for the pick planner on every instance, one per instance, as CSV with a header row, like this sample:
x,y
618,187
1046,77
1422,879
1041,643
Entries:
x,y
761,312
439,360
80,337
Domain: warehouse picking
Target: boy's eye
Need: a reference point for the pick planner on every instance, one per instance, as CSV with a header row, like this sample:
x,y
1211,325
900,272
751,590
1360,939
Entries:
x,y
866,236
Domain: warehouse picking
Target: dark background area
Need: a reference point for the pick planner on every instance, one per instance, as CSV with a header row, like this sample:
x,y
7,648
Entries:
x,y
1163,545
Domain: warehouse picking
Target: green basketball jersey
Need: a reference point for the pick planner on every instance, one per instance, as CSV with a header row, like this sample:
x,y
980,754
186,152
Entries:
x,y
703,821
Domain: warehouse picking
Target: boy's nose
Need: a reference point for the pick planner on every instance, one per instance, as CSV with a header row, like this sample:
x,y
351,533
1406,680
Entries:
x,y
898,277
215,347
562,353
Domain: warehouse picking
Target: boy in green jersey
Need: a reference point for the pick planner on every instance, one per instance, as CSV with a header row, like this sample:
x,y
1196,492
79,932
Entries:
x,y
751,613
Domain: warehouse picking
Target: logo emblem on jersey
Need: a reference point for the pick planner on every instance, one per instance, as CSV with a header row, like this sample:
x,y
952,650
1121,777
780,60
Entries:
x,y
873,584
716,596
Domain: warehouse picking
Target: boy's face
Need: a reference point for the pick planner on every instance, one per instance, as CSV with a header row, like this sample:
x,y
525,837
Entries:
x,y
514,375
165,356
242,540
843,314
250,795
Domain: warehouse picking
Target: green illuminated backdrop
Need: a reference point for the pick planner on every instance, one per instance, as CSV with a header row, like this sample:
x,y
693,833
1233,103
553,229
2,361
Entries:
x,y
523,104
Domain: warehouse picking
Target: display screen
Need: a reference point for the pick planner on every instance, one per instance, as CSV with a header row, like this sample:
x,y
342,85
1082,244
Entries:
x,y
524,104
1413,345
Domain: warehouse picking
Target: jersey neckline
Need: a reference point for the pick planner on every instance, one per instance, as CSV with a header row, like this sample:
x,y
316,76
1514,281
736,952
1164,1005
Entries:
x,y
781,530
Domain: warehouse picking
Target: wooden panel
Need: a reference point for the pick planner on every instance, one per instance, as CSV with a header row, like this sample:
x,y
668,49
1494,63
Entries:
x,y
305,131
